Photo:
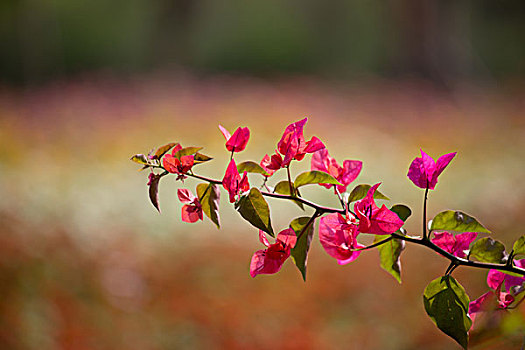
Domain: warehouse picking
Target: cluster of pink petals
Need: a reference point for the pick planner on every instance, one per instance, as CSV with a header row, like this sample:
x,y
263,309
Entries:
x,y
455,245
272,164
338,233
271,259
424,171
293,145
503,289
192,211
375,220
346,174
338,236
236,142
233,183
178,166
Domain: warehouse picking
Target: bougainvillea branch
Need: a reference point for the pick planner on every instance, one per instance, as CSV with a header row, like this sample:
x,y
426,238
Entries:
x,y
452,234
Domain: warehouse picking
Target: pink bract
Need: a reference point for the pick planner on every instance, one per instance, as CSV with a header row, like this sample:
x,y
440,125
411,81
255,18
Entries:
x,y
375,220
503,290
346,174
233,183
338,236
293,145
270,260
236,142
178,166
191,212
455,245
424,171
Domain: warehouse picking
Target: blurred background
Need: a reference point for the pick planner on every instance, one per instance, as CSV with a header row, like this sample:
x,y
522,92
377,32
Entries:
x,y
86,262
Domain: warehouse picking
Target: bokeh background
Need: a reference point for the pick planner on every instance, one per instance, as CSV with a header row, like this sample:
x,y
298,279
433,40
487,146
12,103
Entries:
x,y
86,262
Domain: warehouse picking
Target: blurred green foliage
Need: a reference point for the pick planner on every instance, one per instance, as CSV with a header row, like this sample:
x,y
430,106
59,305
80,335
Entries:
x,y
466,39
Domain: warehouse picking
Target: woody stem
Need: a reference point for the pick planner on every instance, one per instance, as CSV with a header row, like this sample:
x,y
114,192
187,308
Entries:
x,y
425,236
321,210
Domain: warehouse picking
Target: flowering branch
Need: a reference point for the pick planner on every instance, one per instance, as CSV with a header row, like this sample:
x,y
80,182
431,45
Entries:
x,y
339,228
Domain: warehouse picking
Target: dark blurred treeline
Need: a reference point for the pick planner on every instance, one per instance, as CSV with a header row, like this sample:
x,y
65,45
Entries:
x,y
446,39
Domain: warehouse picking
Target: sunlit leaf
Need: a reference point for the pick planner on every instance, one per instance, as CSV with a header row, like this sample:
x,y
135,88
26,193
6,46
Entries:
x,y
201,158
446,302
140,158
300,251
488,250
360,191
389,255
251,167
519,246
314,177
209,196
255,210
163,149
186,151
450,220
402,211
283,187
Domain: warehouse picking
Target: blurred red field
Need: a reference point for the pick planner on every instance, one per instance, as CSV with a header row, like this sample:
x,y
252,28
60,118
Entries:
x,y
87,263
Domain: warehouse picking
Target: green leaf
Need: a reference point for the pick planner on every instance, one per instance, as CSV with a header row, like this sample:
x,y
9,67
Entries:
x,y
300,251
186,151
488,250
402,211
209,196
163,149
201,158
283,187
255,210
140,158
360,191
154,191
446,302
389,254
314,177
519,246
251,167
450,220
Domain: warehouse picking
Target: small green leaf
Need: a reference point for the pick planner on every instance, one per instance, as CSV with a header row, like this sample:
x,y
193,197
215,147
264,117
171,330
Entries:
x,y
283,187
402,211
389,254
251,167
300,251
154,191
488,250
163,149
209,196
360,191
519,246
314,177
140,158
446,302
186,151
458,221
201,158
255,210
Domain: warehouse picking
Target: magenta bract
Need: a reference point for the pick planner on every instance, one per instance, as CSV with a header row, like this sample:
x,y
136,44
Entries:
x,y
424,171
271,260
236,142
455,245
293,145
191,212
233,183
503,289
375,220
346,174
338,236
